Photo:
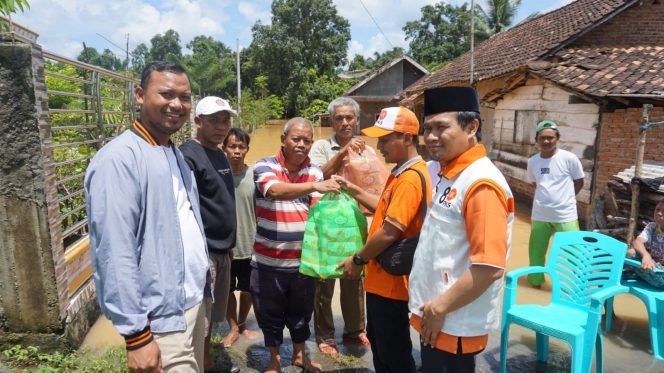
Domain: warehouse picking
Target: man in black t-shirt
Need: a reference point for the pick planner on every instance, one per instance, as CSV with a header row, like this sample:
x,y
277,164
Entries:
x,y
217,197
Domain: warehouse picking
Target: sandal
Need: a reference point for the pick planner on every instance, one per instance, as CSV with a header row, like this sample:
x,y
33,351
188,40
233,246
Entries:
x,y
360,340
328,347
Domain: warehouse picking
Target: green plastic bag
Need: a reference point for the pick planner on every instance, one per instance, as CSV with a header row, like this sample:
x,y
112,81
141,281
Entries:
x,y
335,230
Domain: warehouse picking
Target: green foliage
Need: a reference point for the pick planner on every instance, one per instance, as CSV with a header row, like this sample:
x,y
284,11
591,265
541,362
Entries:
x,y
317,106
256,111
304,35
114,95
139,58
498,15
9,7
211,67
441,34
106,59
31,359
443,31
276,107
359,62
316,87
166,47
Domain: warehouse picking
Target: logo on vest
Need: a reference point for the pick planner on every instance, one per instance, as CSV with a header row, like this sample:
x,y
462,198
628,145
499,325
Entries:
x,y
448,195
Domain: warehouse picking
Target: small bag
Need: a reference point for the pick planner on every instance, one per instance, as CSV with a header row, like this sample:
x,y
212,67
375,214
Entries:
x,y
397,259
366,171
335,230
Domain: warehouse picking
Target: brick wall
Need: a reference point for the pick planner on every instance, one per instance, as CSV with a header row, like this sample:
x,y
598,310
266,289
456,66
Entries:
x,y
639,25
618,142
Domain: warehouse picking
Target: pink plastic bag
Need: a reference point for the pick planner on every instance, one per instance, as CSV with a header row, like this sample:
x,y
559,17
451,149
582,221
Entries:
x,y
367,171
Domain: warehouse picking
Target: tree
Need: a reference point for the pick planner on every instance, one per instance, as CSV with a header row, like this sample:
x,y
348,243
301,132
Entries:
x,y
359,62
106,60
303,35
441,34
211,67
8,7
140,57
499,14
166,47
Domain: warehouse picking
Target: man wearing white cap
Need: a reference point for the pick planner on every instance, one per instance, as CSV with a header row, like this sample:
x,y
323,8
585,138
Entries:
x,y
217,197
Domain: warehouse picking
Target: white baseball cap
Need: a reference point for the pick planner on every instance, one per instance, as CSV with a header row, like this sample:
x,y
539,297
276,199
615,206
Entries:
x,y
213,104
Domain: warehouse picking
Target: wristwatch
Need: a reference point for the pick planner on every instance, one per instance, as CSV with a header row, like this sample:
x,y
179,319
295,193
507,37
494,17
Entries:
x,y
357,260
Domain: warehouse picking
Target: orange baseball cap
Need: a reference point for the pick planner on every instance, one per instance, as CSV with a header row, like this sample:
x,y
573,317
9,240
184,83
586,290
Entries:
x,y
394,119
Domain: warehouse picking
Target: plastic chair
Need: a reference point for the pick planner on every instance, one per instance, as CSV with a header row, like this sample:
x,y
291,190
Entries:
x,y
585,270
653,298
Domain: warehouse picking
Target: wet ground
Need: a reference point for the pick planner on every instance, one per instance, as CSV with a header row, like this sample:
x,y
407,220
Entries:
x,y
626,346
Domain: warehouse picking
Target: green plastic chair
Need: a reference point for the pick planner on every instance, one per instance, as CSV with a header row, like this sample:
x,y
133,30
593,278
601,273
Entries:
x,y
585,270
653,298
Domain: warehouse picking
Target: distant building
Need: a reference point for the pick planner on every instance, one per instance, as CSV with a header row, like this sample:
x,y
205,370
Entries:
x,y
381,89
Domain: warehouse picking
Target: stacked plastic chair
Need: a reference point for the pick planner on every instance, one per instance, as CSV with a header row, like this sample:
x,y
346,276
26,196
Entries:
x,y
585,269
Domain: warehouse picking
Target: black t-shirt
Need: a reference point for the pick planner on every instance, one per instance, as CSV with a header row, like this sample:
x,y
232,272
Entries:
x,y
214,178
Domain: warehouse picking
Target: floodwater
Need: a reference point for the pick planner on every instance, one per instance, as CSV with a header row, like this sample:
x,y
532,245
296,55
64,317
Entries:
x,y
626,346
266,141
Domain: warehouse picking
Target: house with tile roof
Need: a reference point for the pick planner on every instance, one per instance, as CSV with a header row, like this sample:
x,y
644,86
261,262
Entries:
x,y
590,66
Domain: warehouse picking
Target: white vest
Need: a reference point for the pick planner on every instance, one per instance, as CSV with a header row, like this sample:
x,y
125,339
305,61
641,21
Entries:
x,y
443,253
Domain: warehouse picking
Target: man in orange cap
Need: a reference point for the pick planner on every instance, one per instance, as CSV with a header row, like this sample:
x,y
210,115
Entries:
x,y
397,216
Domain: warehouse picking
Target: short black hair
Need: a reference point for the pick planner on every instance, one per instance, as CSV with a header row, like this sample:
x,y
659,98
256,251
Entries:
x,y
239,134
466,117
160,66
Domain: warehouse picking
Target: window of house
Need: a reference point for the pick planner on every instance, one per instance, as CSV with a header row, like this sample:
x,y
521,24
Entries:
x,y
525,122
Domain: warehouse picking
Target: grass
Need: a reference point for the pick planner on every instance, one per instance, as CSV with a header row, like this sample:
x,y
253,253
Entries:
x,y
32,359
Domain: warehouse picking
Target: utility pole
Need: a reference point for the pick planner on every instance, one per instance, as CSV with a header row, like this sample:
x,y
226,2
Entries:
x,y
638,167
239,84
472,42
127,53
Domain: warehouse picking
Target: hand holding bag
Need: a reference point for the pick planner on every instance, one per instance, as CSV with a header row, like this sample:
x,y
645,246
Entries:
x,y
335,230
397,259
366,171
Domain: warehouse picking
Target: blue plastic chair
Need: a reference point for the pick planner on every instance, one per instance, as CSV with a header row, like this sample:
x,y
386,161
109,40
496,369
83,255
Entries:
x,y
585,270
653,298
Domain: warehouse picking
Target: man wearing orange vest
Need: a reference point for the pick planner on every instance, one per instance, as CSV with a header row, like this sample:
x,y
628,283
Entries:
x,y
397,216
458,267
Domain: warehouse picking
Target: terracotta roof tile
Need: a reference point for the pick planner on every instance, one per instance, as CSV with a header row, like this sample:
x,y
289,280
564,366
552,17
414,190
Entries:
x,y
511,49
617,70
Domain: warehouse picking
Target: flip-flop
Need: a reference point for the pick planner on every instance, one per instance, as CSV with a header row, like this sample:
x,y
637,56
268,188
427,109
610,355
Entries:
x,y
360,340
328,347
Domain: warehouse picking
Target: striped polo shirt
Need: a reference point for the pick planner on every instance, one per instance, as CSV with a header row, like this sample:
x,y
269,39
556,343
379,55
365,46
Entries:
x,y
280,223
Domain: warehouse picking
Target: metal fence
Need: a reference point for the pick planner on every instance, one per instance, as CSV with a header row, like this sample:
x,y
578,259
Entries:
x,y
88,106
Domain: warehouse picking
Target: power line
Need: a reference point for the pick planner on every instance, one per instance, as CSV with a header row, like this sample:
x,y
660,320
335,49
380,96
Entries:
x,y
377,25
115,45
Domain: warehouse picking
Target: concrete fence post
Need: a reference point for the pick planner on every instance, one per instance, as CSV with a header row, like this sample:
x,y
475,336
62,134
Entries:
x,y
33,293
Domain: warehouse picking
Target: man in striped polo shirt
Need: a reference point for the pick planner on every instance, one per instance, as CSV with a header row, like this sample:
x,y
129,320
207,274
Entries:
x,y
287,186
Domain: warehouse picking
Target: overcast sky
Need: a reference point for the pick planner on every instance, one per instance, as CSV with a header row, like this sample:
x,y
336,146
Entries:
x,y
63,25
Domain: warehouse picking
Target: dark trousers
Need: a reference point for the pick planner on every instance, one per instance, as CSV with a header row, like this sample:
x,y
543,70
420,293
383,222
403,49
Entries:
x,y
439,361
389,332
282,298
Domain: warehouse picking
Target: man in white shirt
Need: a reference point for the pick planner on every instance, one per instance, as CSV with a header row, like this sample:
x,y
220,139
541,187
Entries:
x,y
329,155
558,177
